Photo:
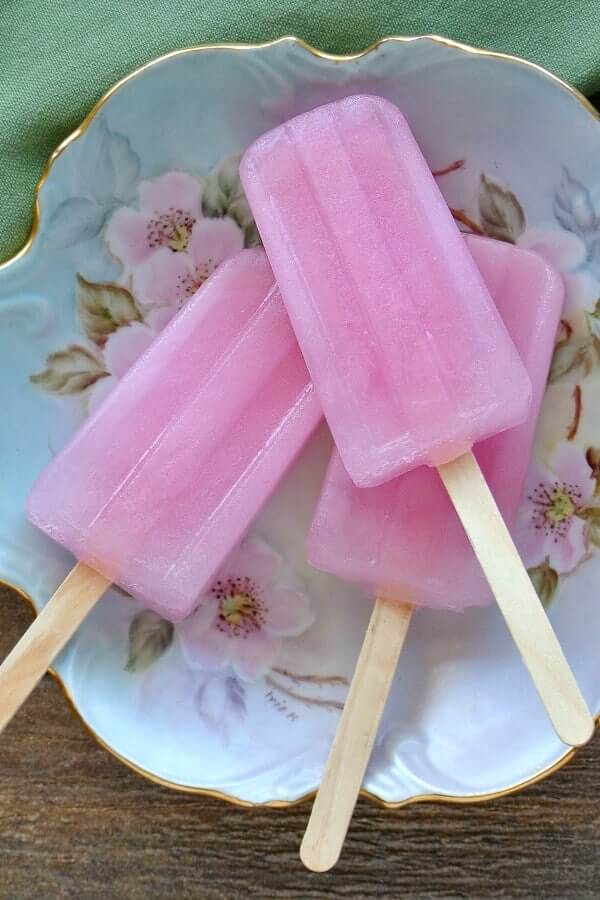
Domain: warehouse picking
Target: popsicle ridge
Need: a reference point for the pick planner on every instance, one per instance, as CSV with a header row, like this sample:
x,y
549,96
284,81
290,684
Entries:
x,y
160,483
392,319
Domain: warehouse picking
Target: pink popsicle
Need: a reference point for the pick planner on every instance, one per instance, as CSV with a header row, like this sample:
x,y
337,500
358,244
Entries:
x,y
405,541
157,487
404,538
411,361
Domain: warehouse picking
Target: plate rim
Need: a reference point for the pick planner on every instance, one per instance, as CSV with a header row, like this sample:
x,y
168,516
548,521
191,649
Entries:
x,y
459,800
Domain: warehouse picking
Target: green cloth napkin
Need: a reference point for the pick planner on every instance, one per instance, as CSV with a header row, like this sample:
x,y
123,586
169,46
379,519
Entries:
x,y
57,57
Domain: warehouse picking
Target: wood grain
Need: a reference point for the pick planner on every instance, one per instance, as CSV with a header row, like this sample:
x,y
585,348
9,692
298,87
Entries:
x,y
30,659
75,823
355,735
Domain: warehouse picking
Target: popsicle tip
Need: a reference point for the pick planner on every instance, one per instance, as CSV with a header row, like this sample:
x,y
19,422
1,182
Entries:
x,y
579,730
319,856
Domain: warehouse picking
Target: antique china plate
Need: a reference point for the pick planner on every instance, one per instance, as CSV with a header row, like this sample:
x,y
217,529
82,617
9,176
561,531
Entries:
x,y
132,213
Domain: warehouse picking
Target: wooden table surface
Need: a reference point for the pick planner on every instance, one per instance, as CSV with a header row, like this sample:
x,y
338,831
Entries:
x,y
74,822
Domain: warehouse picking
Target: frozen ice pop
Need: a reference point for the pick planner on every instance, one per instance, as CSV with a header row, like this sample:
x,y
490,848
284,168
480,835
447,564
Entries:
x,y
156,488
404,538
413,365
158,485
409,356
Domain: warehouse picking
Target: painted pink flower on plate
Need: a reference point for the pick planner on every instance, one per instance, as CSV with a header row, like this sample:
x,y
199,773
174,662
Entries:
x,y
245,614
550,527
166,280
121,350
169,208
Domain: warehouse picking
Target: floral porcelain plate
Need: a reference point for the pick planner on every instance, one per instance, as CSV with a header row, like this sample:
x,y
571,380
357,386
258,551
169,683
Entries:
x,y
134,212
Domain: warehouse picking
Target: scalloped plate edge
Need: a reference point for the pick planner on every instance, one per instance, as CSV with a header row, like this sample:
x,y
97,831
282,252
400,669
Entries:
x,y
340,58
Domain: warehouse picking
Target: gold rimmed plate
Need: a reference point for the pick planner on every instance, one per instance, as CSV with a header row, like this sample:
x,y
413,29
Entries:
x,y
87,293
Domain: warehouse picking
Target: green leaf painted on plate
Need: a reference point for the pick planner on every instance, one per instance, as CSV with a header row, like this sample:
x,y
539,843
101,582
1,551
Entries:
x,y
251,236
545,580
593,320
500,212
591,516
593,532
223,195
592,455
149,636
103,308
574,355
69,371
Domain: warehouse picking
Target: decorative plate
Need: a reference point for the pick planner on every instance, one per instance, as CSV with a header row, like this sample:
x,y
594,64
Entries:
x,y
133,212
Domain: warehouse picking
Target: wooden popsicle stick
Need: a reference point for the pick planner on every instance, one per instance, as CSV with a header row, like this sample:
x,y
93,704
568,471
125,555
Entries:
x,y
30,659
355,735
520,605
